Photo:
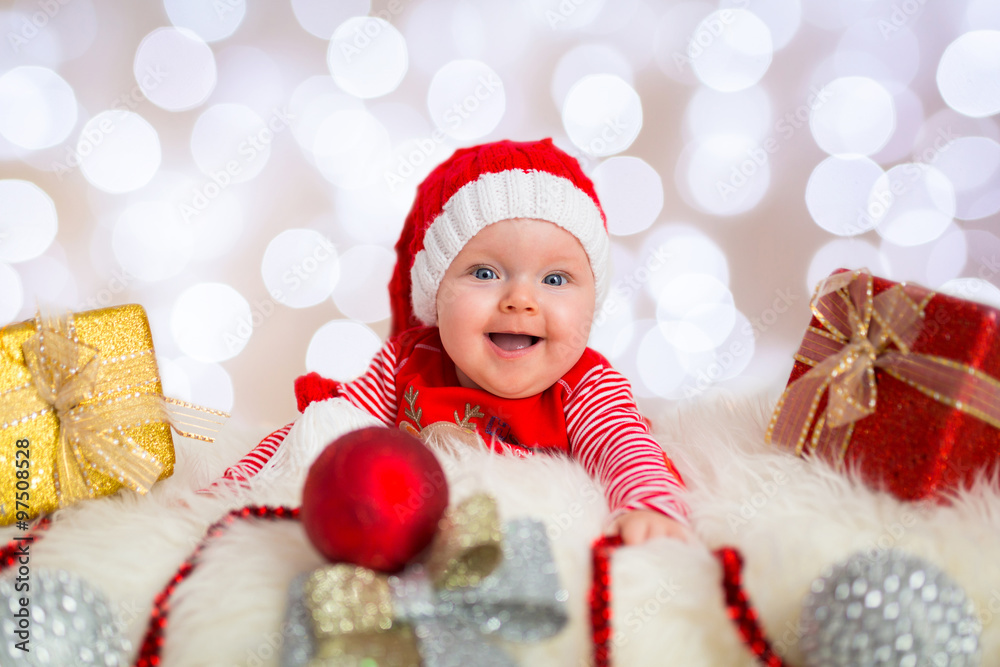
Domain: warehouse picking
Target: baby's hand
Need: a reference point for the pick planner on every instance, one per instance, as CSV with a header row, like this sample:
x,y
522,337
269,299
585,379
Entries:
x,y
638,526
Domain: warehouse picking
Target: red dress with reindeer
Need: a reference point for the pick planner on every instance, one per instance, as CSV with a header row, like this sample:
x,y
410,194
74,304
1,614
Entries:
x,y
589,414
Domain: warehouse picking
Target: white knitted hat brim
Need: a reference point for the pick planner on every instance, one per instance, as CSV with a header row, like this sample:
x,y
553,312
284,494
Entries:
x,y
500,196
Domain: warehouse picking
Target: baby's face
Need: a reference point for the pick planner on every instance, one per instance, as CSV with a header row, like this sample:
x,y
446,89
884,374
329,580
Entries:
x,y
515,307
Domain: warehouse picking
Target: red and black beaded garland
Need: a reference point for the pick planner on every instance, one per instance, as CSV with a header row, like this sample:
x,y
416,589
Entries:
x,y
152,643
9,554
600,598
738,606
740,611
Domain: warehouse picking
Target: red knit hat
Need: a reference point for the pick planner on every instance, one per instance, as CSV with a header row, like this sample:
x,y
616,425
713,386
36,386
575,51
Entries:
x,y
476,187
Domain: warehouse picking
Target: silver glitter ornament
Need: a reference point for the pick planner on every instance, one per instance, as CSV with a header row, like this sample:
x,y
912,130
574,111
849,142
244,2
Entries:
x,y
521,601
65,622
890,609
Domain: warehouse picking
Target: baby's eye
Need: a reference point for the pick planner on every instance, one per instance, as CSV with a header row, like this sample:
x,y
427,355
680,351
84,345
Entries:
x,y
554,279
482,273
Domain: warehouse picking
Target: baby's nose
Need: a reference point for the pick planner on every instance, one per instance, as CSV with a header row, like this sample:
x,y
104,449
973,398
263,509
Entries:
x,y
519,296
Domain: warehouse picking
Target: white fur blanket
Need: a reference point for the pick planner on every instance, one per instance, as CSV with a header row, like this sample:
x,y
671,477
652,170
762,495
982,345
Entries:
x,y
789,517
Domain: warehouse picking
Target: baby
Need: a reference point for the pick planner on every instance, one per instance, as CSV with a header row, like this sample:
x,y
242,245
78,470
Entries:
x,y
501,264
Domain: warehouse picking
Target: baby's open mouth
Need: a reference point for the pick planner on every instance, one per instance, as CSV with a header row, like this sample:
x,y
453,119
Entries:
x,y
512,342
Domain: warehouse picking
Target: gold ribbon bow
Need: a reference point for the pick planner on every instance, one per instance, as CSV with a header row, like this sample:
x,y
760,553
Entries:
x,y
861,333
352,608
95,399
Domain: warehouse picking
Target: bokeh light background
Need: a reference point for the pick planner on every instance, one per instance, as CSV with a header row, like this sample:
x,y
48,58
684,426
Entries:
x,y
243,169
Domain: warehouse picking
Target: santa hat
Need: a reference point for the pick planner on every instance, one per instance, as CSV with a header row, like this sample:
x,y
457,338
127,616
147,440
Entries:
x,y
476,187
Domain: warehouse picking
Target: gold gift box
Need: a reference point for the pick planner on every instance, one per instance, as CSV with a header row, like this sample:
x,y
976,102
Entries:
x,y
118,333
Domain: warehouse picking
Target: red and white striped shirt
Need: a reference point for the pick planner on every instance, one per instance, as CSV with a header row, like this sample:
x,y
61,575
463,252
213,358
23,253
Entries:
x,y
589,414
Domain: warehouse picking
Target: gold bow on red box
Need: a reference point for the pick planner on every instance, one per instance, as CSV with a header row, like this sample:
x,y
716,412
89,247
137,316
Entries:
x,y
861,332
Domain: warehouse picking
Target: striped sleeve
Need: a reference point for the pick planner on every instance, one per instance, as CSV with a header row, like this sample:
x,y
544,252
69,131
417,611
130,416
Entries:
x,y
610,439
375,391
251,464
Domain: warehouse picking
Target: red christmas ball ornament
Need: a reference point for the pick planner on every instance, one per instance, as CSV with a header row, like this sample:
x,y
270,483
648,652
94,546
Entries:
x,y
374,497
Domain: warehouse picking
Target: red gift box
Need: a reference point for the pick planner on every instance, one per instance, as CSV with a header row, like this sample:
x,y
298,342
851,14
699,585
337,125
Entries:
x,y
897,382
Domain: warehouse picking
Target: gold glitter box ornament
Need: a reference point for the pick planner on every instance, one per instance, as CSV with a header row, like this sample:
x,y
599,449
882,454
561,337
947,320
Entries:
x,y
82,413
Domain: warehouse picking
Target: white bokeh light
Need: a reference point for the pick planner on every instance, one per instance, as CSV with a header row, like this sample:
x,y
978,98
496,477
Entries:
x,y
912,204
982,14
25,41
206,219
351,149
429,34
602,114
968,72
367,215
44,33
695,312
211,21
670,251
837,193
367,57
566,16
620,16
47,281
848,253
611,333
928,264
673,35
745,112
973,289
631,193
724,174
149,241
584,60
725,362
409,162
972,164
313,102
341,349
362,294
730,50
867,48
858,116
212,322
231,143
466,99
175,68
119,151
11,293
909,119
37,107
659,365
983,256
250,76
321,17
300,268
197,382
945,125
28,220
487,30
174,381
947,257
403,121
782,17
